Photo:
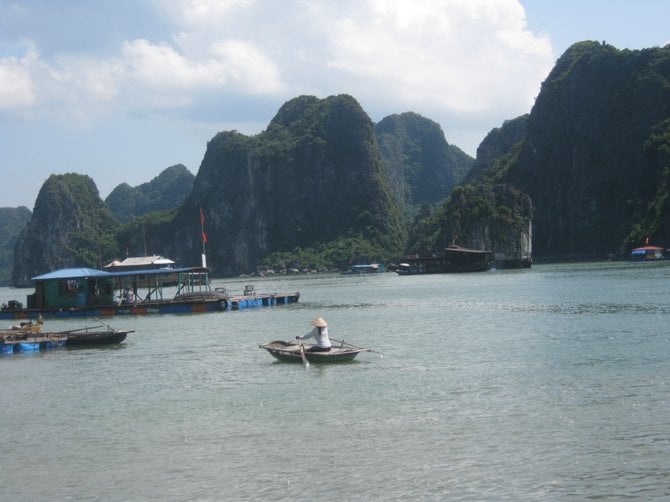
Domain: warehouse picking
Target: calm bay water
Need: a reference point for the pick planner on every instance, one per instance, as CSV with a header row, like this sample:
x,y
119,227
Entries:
x,y
549,383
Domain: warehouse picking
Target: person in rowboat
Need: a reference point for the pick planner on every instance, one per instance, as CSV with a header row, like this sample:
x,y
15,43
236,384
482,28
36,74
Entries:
x,y
320,334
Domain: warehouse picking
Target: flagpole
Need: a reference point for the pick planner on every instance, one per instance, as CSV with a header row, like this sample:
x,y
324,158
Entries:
x,y
204,238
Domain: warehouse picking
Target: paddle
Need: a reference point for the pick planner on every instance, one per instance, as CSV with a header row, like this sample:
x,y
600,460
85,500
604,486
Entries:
x,y
75,330
304,358
356,346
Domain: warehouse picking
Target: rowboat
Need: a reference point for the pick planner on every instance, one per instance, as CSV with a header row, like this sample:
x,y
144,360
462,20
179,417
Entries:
x,y
100,337
102,334
294,352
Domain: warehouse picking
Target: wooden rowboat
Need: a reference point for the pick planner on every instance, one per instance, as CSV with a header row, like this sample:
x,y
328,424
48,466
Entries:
x,y
102,334
101,337
290,351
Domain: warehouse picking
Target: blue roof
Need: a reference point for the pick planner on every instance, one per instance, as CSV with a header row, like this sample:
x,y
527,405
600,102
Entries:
x,y
71,273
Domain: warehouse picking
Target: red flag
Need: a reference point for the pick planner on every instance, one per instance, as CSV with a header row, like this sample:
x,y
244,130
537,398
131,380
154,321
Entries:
x,y
204,237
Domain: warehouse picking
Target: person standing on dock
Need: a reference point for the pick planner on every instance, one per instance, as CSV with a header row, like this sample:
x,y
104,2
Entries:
x,y
320,334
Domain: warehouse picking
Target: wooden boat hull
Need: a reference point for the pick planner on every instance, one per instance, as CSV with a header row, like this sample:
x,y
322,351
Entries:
x,y
96,338
290,352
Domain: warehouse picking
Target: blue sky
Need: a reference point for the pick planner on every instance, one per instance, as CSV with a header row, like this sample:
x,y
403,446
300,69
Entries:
x,y
122,89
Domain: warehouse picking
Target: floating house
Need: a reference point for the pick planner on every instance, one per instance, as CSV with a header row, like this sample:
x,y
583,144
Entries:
x,y
72,287
85,292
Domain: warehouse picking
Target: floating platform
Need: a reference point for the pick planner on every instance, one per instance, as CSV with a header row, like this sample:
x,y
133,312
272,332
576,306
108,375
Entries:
x,y
183,304
14,342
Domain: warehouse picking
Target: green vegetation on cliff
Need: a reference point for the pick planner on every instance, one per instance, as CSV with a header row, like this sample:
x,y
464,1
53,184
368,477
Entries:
x,y
483,216
312,180
70,227
12,222
166,191
421,166
593,155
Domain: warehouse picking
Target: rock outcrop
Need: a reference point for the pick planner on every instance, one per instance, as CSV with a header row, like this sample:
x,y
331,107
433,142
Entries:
x,y
595,157
166,191
311,179
70,227
421,166
12,222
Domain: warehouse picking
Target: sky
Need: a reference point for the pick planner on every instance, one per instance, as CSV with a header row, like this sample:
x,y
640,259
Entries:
x,y
122,89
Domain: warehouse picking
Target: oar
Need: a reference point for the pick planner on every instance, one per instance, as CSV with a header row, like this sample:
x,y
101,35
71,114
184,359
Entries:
x,y
304,358
356,346
104,324
74,330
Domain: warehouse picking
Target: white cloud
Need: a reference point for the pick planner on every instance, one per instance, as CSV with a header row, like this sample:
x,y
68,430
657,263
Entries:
x,y
17,89
199,13
458,55
233,64
449,56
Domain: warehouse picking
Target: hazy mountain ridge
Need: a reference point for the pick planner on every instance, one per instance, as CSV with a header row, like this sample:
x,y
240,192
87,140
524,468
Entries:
x,y
166,191
421,166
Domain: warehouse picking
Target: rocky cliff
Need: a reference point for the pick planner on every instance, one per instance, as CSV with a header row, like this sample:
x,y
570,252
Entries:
x,y
70,227
421,166
595,156
496,217
311,179
166,191
12,222
496,145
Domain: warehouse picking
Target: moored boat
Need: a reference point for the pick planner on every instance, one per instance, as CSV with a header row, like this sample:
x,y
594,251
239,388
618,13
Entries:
x,y
648,253
295,352
100,334
454,259
371,268
102,337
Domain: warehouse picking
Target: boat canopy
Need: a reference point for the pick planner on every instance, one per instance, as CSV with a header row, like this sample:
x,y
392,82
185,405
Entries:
x,y
647,249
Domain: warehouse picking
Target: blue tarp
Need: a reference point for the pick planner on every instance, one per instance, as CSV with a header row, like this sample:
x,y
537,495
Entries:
x,y
72,273
76,273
